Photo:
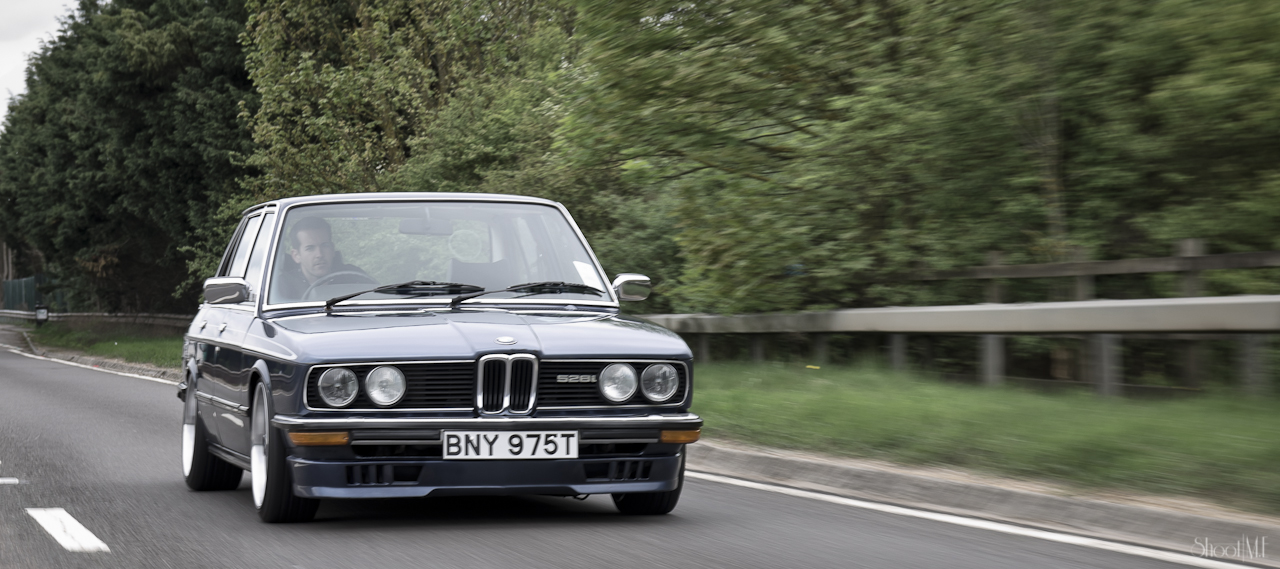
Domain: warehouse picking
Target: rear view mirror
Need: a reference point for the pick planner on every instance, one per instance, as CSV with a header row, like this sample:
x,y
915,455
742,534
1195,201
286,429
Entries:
x,y
226,290
630,286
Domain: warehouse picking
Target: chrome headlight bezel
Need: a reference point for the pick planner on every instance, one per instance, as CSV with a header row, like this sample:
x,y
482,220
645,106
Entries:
x,y
381,378
653,374
330,380
621,380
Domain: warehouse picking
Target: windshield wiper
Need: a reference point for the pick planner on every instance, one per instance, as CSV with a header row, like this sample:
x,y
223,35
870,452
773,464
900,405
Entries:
x,y
418,288
556,287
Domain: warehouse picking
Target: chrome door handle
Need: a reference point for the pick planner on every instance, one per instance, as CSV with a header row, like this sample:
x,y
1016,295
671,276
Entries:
x,y
203,323
222,327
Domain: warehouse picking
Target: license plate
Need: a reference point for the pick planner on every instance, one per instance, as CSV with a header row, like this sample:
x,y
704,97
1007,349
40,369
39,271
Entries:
x,y
507,445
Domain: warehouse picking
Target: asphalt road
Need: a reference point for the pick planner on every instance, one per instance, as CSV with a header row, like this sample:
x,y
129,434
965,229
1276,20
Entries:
x,y
105,448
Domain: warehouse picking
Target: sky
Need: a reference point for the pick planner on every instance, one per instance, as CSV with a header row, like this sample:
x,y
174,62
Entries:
x,y
23,23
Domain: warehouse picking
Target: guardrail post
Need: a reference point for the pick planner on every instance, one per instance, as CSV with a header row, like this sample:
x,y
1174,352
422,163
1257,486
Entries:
x,y
1194,356
1084,283
704,348
820,344
1253,371
995,289
757,348
1106,363
898,352
992,359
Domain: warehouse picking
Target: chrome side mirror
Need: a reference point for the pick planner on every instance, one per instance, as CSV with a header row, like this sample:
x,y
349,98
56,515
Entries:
x,y
226,290
630,286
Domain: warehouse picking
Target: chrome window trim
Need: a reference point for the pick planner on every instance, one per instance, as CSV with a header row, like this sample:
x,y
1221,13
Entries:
x,y
306,379
506,384
687,386
282,212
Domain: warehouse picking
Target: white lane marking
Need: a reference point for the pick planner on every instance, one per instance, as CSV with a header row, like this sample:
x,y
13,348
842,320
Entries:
x,y
4,481
1139,551
64,528
126,374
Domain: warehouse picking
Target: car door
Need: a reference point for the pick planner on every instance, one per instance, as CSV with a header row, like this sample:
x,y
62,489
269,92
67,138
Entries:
x,y
223,334
234,427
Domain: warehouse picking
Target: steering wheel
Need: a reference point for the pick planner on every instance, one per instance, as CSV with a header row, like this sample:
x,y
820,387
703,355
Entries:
x,y
329,278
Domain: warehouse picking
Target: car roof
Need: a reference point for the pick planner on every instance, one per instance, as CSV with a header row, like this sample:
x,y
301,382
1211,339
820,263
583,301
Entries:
x,y
398,196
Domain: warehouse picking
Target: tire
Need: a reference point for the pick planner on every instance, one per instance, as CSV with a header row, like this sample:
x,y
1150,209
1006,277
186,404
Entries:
x,y
272,483
651,503
202,470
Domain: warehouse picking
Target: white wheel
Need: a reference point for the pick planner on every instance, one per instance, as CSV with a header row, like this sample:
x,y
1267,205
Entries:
x,y
188,447
272,483
200,468
258,448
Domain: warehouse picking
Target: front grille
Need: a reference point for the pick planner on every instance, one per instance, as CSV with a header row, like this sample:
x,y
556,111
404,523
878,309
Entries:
x,y
552,393
506,383
493,385
522,374
429,386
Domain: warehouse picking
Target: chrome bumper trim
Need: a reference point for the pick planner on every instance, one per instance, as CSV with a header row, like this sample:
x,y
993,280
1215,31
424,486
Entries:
x,y
287,422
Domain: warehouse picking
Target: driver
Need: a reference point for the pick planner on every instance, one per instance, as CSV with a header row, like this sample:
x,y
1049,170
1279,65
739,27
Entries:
x,y
312,249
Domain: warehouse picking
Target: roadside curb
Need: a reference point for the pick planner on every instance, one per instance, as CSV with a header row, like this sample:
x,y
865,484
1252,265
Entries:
x,y
171,374
1139,525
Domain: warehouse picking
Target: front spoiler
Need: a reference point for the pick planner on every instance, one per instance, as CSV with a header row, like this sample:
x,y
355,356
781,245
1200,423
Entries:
x,y
332,479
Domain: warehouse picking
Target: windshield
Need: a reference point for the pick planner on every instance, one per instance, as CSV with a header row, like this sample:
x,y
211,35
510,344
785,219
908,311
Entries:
x,y
335,249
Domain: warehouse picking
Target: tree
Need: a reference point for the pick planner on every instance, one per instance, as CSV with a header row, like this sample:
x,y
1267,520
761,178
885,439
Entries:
x,y
125,145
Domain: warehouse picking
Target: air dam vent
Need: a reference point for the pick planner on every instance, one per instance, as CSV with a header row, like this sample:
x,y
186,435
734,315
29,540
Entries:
x,y
618,470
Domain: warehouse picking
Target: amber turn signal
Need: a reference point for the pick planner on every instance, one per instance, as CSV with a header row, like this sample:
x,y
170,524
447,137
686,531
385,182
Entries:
x,y
681,437
319,439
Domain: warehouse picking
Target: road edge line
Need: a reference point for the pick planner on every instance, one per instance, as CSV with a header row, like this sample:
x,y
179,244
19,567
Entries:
x,y
16,350
978,523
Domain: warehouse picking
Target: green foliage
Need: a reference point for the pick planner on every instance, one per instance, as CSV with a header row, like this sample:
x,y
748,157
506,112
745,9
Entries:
x,y
746,155
349,89
820,150
124,146
131,343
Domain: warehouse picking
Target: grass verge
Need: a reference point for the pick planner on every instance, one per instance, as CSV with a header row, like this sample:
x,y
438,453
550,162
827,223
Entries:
x,y
1218,447
131,343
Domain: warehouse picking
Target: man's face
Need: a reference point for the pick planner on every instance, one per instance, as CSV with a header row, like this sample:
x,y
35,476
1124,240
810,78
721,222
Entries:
x,y
314,253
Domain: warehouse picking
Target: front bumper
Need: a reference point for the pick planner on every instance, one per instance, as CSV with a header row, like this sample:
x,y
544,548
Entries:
x,y
407,479
398,457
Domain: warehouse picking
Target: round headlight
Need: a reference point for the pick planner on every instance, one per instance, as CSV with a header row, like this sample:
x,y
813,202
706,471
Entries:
x,y
385,386
618,382
338,386
659,382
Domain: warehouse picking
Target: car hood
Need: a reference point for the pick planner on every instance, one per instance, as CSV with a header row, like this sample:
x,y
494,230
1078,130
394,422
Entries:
x,y
467,334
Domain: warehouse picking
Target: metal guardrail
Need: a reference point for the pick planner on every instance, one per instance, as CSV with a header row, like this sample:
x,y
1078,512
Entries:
x,y
1250,260
1102,322
181,321
1238,314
